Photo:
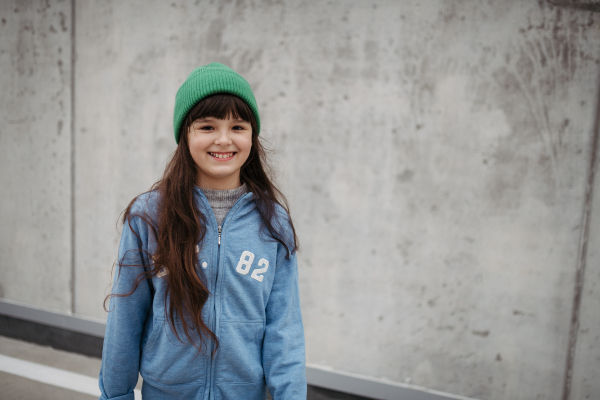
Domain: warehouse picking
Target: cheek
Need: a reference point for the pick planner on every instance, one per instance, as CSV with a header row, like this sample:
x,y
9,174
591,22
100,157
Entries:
x,y
244,150
197,158
246,145
197,151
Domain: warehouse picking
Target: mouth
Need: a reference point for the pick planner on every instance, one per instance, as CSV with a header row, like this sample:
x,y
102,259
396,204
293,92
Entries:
x,y
222,156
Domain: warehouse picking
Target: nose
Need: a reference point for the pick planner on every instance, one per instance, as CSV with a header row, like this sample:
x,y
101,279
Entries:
x,y
223,139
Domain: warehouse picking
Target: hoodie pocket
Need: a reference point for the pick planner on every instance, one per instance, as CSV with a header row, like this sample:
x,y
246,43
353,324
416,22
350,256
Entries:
x,y
239,357
169,360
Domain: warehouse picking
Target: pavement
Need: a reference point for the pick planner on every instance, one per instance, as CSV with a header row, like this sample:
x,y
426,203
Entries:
x,y
26,371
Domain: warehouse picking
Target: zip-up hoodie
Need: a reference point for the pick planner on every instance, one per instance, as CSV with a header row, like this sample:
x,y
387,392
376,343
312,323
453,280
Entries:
x,y
253,308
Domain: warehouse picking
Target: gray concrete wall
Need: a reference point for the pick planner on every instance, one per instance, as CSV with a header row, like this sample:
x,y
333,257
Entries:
x,y
435,155
35,153
586,363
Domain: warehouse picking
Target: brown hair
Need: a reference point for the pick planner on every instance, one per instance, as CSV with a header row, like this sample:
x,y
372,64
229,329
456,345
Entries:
x,y
180,225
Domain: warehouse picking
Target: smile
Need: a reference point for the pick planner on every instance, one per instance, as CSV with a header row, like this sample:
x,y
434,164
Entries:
x,y
222,155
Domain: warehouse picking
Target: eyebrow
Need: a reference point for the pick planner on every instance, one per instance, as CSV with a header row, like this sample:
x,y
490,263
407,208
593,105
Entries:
x,y
204,119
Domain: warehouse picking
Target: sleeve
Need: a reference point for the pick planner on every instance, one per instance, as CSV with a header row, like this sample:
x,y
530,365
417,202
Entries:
x,y
126,317
283,348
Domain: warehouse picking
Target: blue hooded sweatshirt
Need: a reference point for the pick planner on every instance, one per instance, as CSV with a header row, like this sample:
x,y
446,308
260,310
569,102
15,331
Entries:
x,y
253,308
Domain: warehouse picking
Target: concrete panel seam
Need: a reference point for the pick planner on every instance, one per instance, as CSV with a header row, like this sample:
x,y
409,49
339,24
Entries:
x,y
316,375
73,227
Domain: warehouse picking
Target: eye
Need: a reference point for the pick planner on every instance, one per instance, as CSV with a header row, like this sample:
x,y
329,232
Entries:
x,y
203,128
238,128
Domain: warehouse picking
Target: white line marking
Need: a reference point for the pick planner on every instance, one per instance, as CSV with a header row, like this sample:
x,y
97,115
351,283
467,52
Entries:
x,y
53,376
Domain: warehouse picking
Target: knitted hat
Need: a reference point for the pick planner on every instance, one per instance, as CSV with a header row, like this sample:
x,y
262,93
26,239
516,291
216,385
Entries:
x,y
205,81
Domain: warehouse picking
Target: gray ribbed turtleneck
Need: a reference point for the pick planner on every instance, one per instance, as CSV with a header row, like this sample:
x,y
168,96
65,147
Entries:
x,y
221,201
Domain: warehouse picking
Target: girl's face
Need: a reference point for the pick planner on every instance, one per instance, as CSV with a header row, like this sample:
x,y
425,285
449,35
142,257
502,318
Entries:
x,y
220,147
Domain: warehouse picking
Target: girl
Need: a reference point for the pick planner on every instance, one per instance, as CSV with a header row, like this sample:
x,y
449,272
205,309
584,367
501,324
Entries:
x,y
205,303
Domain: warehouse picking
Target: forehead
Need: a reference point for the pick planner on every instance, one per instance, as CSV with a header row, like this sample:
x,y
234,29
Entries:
x,y
215,119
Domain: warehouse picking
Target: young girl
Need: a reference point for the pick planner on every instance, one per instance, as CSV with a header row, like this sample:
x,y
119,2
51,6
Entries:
x,y
205,301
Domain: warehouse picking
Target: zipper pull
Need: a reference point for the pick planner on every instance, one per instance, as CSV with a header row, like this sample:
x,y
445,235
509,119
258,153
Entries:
x,y
219,235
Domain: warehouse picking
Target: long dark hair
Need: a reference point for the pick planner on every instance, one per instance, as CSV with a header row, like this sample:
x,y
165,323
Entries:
x,y
179,225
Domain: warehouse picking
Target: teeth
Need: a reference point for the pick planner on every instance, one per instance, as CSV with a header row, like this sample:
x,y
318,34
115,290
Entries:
x,y
221,155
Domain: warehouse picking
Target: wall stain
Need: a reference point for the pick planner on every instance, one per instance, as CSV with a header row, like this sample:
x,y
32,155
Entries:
x,y
531,87
214,35
546,60
63,22
248,59
527,77
405,176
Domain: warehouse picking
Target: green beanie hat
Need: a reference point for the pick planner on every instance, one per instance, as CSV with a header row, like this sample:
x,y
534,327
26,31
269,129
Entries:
x,y
205,81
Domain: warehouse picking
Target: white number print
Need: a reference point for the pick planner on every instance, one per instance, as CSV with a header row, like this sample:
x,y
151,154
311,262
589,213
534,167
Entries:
x,y
244,265
256,272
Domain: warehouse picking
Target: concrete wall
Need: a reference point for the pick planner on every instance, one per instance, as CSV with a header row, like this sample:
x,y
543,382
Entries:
x,y
35,153
435,155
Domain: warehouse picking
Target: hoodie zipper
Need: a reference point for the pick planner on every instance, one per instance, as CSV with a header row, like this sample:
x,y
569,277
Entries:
x,y
233,209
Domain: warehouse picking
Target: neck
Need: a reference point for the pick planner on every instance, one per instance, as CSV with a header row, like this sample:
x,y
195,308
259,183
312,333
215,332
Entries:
x,y
221,201
220,184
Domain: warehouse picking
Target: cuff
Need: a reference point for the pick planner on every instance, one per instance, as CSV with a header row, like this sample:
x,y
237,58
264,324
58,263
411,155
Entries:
x,y
128,396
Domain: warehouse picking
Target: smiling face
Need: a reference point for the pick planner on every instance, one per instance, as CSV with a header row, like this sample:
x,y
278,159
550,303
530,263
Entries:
x,y
219,148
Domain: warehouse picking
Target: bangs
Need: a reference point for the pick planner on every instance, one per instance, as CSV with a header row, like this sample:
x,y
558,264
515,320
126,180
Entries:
x,y
222,106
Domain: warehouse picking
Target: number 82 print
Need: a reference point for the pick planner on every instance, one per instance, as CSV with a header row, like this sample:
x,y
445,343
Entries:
x,y
245,264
